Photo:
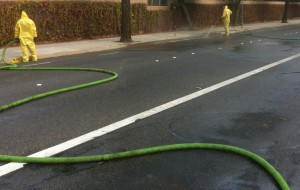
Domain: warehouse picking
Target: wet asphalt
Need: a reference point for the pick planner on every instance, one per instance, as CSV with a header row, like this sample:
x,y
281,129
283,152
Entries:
x,y
259,113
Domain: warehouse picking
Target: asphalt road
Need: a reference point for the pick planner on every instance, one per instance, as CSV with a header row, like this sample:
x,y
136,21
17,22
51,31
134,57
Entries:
x,y
259,113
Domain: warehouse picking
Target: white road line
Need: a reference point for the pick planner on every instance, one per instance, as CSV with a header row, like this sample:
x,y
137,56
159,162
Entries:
x,y
108,53
8,168
36,64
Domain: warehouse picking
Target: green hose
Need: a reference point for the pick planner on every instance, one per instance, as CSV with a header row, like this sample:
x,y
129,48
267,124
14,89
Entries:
x,y
139,152
11,66
8,64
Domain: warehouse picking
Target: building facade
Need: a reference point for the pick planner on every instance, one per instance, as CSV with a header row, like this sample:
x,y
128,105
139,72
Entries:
x,y
65,20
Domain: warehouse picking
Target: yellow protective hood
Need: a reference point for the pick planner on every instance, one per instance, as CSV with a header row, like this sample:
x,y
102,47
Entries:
x,y
24,15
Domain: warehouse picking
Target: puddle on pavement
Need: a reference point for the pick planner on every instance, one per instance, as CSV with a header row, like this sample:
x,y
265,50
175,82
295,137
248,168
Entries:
x,y
253,125
218,126
292,78
241,48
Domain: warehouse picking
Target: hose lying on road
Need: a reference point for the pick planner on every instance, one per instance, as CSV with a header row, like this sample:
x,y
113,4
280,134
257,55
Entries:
x,y
96,158
11,66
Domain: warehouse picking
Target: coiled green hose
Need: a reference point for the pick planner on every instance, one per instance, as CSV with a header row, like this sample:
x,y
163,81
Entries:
x,y
96,158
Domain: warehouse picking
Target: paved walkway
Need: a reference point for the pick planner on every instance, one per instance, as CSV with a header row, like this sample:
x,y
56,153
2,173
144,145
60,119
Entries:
x,y
85,46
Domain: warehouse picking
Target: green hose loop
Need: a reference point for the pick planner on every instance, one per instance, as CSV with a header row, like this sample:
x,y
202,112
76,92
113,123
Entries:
x,y
45,94
10,66
133,153
140,152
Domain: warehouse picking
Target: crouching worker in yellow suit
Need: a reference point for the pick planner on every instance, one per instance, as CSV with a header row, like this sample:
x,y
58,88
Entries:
x,y
226,19
25,31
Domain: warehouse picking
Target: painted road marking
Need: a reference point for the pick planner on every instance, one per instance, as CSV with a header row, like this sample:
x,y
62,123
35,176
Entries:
x,y
37,64
108,53
8,168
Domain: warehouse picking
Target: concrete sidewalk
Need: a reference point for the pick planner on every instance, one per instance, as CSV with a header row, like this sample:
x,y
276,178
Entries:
x,y
85,46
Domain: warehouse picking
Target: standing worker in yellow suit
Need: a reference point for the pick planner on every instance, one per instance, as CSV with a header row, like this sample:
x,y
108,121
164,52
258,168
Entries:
x,y
226,19
25,31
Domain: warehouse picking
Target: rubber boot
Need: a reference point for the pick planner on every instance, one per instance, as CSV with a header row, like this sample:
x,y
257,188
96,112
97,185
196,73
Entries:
x,y
16,60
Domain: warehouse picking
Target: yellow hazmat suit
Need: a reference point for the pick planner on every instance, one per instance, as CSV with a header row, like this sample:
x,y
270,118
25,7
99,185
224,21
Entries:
x,y
25,31
226,19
